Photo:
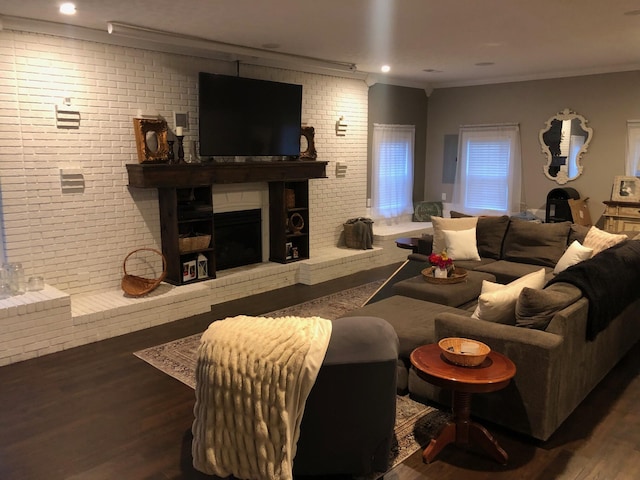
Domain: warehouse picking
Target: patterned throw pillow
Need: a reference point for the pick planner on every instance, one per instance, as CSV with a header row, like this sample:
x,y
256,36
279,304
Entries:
x,y
600,240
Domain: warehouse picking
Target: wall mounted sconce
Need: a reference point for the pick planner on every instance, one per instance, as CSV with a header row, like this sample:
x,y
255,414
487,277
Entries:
x,y
66,115
71,180
341,170
341,127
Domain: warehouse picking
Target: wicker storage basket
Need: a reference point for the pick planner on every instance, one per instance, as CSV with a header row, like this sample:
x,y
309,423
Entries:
x,y
358,233
453,349
139,286
191,243
350,239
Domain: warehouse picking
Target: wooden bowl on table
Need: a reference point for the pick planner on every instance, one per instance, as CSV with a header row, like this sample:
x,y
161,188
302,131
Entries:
x,y
464,351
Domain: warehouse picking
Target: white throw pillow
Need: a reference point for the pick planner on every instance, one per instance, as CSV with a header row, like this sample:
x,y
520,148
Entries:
x,y
440,224
497,303
576,253
600,240
461,244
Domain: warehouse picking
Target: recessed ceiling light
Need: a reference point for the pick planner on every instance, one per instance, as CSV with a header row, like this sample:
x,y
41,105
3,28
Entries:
x,y
68,9
484,64
385,69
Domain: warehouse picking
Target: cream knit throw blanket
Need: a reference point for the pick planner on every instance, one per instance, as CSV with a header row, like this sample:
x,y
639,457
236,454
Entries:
x,y
253,377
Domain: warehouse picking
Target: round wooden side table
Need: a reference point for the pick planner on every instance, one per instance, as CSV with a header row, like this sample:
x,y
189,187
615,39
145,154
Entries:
x,y
493,374
410,243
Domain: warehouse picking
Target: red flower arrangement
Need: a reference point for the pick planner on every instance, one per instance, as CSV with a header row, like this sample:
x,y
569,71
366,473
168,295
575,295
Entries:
x,y
440,261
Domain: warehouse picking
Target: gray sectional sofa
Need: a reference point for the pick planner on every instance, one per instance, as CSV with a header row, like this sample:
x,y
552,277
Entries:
x,y
563,338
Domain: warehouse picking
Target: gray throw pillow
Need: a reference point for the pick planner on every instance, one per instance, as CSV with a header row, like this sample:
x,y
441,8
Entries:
x,y
535,243
490,233
577,232
535,308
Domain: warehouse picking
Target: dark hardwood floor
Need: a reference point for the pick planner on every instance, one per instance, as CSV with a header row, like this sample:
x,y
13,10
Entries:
x,y
98,412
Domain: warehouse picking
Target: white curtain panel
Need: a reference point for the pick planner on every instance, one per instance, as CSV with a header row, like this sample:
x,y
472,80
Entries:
x,y
392,178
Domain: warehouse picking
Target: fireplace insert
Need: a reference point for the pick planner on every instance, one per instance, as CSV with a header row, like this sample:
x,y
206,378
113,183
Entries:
x,y
237,238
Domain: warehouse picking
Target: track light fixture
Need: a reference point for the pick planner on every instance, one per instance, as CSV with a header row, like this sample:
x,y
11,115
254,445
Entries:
x,y
186,44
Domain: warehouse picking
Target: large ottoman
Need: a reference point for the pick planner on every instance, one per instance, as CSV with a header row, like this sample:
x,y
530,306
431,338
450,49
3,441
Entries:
x,y
453,295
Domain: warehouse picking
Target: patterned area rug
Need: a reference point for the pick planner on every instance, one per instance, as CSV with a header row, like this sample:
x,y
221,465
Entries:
x,y
416,424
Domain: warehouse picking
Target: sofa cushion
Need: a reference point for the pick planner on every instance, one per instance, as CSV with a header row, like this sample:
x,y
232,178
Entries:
x,y
535,308
576,253
440,224
600,240
453,295
489,233
506,271
497,303
535,243
461,244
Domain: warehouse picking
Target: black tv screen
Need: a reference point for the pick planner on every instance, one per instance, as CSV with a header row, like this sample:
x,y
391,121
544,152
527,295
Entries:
x,y
248,117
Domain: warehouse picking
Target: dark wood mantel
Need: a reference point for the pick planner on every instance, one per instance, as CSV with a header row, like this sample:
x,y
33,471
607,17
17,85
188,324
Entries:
x,y
201,174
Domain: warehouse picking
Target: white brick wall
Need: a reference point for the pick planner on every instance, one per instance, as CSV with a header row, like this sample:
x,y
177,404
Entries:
x,y
78,241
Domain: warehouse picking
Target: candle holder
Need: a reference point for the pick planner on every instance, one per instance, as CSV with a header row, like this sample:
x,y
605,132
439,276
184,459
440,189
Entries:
x,y
180,148
170,156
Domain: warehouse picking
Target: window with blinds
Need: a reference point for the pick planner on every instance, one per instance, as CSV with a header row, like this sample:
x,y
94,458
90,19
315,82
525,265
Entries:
x,y
488,176
392,176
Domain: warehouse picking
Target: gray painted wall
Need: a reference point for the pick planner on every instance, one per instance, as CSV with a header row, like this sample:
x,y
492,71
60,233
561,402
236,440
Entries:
x,y
395,105
607,101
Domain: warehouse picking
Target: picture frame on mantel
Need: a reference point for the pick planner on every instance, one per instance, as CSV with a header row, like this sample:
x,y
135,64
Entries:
x,y
626,189
307,144
151,140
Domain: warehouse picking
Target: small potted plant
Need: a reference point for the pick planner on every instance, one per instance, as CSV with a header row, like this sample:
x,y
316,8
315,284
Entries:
x,y
442,264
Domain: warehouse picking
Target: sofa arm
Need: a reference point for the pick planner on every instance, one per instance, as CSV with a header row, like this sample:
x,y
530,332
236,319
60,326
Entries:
x,y
498,336
530,404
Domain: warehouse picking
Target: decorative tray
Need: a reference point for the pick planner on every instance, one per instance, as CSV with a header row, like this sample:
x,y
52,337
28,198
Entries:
x,y
458,275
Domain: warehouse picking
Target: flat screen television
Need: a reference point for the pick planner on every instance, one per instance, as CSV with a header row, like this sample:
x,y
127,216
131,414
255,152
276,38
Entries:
x,y
248,117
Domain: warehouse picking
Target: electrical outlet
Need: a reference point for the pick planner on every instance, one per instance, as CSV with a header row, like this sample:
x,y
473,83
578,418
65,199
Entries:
x,y
444,197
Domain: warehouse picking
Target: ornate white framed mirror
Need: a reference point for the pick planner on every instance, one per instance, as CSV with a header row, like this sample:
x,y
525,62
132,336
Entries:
x,y
564,140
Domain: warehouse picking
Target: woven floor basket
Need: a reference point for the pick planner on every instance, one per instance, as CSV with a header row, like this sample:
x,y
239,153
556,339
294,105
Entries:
x,y
139,286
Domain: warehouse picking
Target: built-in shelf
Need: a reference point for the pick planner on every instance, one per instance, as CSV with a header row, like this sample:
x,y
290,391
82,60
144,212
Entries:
x,y
185,202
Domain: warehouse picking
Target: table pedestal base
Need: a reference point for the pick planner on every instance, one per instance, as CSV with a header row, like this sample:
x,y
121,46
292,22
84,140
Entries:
x,y
464,432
